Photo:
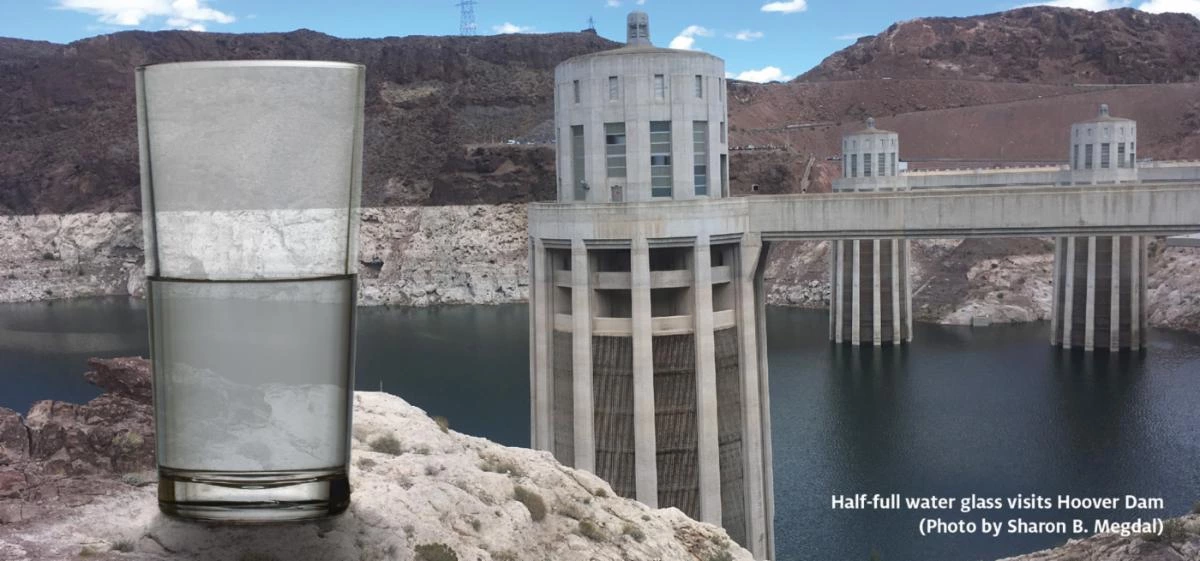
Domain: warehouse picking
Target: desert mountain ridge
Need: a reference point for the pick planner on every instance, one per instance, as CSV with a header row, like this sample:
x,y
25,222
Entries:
x,y
441,110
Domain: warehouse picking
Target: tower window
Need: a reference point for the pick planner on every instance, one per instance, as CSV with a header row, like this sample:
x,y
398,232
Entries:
x,y
1120,154
723,133
614,88
1087,156
893,157
576,86
660,86
881,164
853,165
700,149
867,164
699,86
1104,156
660,159
1075,156
614,149
577,163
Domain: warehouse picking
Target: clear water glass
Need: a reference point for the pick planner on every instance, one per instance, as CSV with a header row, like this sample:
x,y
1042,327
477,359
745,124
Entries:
x,y
251,180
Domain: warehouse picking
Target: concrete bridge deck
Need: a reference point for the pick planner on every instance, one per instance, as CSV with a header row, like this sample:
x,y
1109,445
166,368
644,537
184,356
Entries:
x,y
952,212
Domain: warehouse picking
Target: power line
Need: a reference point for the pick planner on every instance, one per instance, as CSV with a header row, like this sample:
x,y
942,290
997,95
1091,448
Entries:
x,y
466,22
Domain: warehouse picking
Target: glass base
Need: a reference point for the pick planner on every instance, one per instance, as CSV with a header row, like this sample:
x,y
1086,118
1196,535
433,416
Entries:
x,y
256,497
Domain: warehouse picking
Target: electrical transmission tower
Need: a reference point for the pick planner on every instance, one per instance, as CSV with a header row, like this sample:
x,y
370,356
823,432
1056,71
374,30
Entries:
x,y
591,24
466,25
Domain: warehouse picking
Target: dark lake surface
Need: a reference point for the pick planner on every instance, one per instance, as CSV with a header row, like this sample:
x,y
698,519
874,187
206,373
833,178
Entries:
x,y
993,412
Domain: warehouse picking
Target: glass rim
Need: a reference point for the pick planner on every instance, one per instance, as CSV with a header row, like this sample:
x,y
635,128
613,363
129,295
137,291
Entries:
x,y
251,64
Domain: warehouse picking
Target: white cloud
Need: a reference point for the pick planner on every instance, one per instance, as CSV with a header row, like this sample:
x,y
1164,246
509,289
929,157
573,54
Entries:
x,y
507,27
764,74
686,39
747,35
180,14
612,3
641,2
786,7
849,36
1180,6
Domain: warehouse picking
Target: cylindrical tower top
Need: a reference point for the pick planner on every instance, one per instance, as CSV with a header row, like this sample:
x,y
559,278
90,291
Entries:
x,y
1104,146
868,156
637,32
641,123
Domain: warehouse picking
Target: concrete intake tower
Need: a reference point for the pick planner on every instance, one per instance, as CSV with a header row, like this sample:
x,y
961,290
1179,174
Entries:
x,y
1100,281
870,299
648,360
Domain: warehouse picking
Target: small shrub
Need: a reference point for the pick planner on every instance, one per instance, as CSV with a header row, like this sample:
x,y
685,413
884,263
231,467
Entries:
x,y
435,552
423,450
476,524
124,546
88,551
432,470
1172,532
532,501
387,444
48,256
876,555
571,510
366,463
1196,508
498,465
600,492
591,531
127,440
442,423
723,555
634,532
504,556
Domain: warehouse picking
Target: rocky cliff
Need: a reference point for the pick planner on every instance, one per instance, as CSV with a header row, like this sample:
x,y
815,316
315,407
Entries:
x,y
74,481
419,256
1034,44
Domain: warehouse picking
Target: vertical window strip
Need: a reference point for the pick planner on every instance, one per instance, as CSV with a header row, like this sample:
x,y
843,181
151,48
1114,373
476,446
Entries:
x,y
660,159
700,163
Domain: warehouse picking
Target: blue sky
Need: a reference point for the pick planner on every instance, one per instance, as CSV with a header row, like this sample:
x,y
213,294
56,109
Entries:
x,y
759,39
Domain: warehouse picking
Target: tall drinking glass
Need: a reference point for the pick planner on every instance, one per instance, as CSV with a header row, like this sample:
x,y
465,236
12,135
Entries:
x,y
251,179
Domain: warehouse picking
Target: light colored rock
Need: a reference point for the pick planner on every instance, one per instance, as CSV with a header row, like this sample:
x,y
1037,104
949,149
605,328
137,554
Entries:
x,y
477,254
445,488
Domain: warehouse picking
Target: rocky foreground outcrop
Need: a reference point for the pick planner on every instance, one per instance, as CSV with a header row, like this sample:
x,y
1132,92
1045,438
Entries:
x,y
423,492
1180,541
77,481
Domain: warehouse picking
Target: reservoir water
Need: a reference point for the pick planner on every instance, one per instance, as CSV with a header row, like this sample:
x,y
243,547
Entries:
x,y
991,412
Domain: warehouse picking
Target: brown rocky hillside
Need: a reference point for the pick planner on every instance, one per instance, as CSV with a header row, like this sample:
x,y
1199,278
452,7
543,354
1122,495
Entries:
x,y
68,139
1036,44
999,87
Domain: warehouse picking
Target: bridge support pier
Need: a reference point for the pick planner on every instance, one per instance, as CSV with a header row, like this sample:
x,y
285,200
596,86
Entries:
x,y
870,296
1099,293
